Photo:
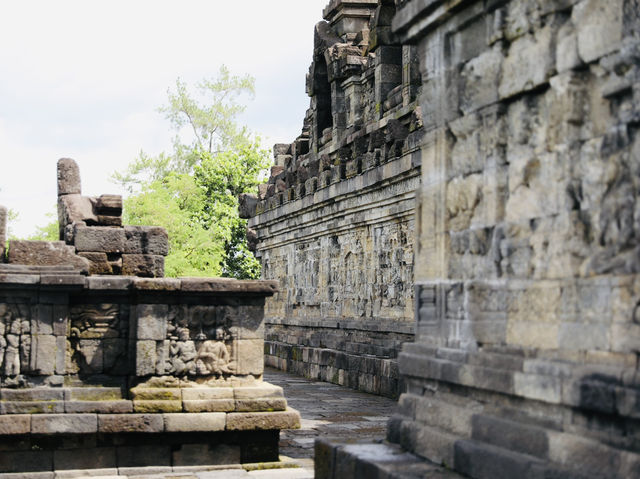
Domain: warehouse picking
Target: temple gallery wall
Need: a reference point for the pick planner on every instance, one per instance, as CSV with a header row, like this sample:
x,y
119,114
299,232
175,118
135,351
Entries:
x,y
458,224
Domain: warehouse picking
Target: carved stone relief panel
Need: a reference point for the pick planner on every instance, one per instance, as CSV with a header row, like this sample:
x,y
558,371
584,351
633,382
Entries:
x,y
98,339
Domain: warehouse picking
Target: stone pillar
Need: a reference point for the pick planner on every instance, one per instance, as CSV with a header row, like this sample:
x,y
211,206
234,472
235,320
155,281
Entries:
x,y
68,184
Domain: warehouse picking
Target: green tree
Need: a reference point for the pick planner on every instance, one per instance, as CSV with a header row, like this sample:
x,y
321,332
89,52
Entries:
x,y
192,191
48,232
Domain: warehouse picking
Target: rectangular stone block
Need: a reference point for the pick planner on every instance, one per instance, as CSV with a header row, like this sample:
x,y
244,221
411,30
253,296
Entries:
x,y
249,356
245,421
151,406
156,394
109,205
98,262
152,321
208,405
92,393
189,394
31,407
45,354
264,390
146,240
116,423
60,319
145,358
60,354
15,424
44,323
64,423
104,407
140,456
190,422
144,265
206,455
92,459
103,239
26,461
261,404
35,394
247,321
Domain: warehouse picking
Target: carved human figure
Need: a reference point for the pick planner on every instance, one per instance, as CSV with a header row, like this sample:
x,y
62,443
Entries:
x,y
214,357
183,353
12,351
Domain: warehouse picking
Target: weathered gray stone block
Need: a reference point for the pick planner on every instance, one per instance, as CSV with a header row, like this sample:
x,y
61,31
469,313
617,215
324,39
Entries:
x,y
205,454
144,265
68,177
102,239
98,263
242,421
96,462
152,240
152,321
15,424
143,423
191,422
45,253
64,423
598,26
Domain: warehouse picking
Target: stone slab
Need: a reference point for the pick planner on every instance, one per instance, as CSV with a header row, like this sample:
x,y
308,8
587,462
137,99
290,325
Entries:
x,y
191,422
64,423
152,240
15,424
105,407
208,405
117,423
244,421
103,239
156,405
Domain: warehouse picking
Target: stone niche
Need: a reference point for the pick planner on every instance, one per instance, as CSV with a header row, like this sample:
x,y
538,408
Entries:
x,y
115,372
335,224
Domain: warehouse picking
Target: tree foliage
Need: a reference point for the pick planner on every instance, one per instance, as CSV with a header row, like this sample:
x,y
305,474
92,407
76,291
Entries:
x,y
48,232
192,191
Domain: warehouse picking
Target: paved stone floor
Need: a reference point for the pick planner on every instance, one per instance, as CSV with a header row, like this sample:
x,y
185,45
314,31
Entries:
x,y
327,411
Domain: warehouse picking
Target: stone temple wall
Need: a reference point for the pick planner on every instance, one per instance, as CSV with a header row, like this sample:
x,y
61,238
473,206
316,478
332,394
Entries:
x,y
525,362
335,223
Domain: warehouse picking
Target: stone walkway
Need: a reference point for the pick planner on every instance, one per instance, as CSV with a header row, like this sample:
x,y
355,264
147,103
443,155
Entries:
x,y
327,410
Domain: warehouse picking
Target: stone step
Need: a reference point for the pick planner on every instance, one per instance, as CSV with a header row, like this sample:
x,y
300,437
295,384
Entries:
x,y
514,436
479,460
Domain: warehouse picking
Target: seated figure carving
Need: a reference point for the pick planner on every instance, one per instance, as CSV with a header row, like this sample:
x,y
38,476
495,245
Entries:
x,y
183,354
213,357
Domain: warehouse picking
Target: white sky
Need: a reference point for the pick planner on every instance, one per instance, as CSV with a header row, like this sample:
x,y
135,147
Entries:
x,y
84,78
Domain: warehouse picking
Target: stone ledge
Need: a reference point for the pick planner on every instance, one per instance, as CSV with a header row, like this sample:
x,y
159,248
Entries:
x,y
157,422
356,460
241,421
583,388
379,325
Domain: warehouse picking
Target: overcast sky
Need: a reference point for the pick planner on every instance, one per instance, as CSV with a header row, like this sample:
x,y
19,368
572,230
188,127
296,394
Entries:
x,y
83,79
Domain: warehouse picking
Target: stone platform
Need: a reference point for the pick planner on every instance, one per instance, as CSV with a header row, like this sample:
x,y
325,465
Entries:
x,y
114,372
